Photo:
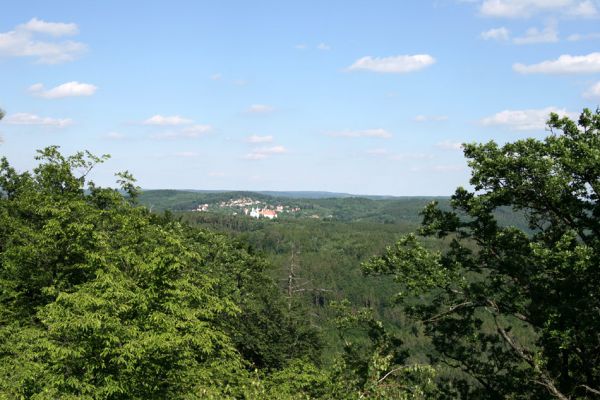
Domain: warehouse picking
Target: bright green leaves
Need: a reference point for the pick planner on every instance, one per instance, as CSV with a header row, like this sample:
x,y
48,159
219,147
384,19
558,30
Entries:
x,y
99,299
417,268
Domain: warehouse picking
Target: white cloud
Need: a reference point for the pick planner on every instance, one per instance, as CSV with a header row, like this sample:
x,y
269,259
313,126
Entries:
x,y
584,9
301,46
374,133
32,119
565,64
255,156
114,136
593,92
524,120
449,145
22,42
533,35
196,130
50,28
500,34
272,150
259,139
528,8
69,89
395,64
576,37
549,34
323,46
260,109
430,118
216,77
36,87
264,152
167,120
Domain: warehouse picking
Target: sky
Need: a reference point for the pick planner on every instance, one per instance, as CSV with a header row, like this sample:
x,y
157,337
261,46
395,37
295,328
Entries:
x,y
364,97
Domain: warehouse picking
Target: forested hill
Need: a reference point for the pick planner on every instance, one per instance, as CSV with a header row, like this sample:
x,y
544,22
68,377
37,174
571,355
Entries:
x,y
324,205
318,205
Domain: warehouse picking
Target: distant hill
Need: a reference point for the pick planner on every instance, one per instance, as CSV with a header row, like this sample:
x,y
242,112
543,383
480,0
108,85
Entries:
x,y
324,205
312,204
306,194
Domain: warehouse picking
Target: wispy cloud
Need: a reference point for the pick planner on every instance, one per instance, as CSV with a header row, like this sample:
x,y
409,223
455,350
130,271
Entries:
x,y
323,47
260,109
593,92
529,8
576,37
264,152
549,34
565,64
33,119
584,9
259,139
395,64
22,42
50,28
188,132
372,133
500,34
114,136
431,118
196,130
162,120
69,89
524,120
448,145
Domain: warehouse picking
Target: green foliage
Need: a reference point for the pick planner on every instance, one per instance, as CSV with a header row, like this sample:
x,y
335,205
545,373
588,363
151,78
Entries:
x,y
517,310
100,299
376,368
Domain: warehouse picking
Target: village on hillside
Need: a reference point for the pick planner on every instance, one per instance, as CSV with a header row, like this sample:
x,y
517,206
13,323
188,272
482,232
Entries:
x,y
250,207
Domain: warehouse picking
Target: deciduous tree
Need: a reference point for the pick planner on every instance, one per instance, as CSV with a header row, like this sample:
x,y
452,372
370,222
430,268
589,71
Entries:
x,y
516,311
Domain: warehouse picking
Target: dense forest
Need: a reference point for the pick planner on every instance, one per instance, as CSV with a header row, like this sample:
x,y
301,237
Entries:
x,y
491,293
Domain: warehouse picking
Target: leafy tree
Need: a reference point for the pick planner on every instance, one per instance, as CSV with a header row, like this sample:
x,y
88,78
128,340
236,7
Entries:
x,y
100,299
516,313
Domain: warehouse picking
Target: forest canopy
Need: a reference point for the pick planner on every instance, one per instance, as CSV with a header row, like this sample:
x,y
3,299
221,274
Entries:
x,y
102,299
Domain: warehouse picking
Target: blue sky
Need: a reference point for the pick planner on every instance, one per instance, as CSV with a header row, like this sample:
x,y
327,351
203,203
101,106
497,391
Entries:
x,y
366,97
